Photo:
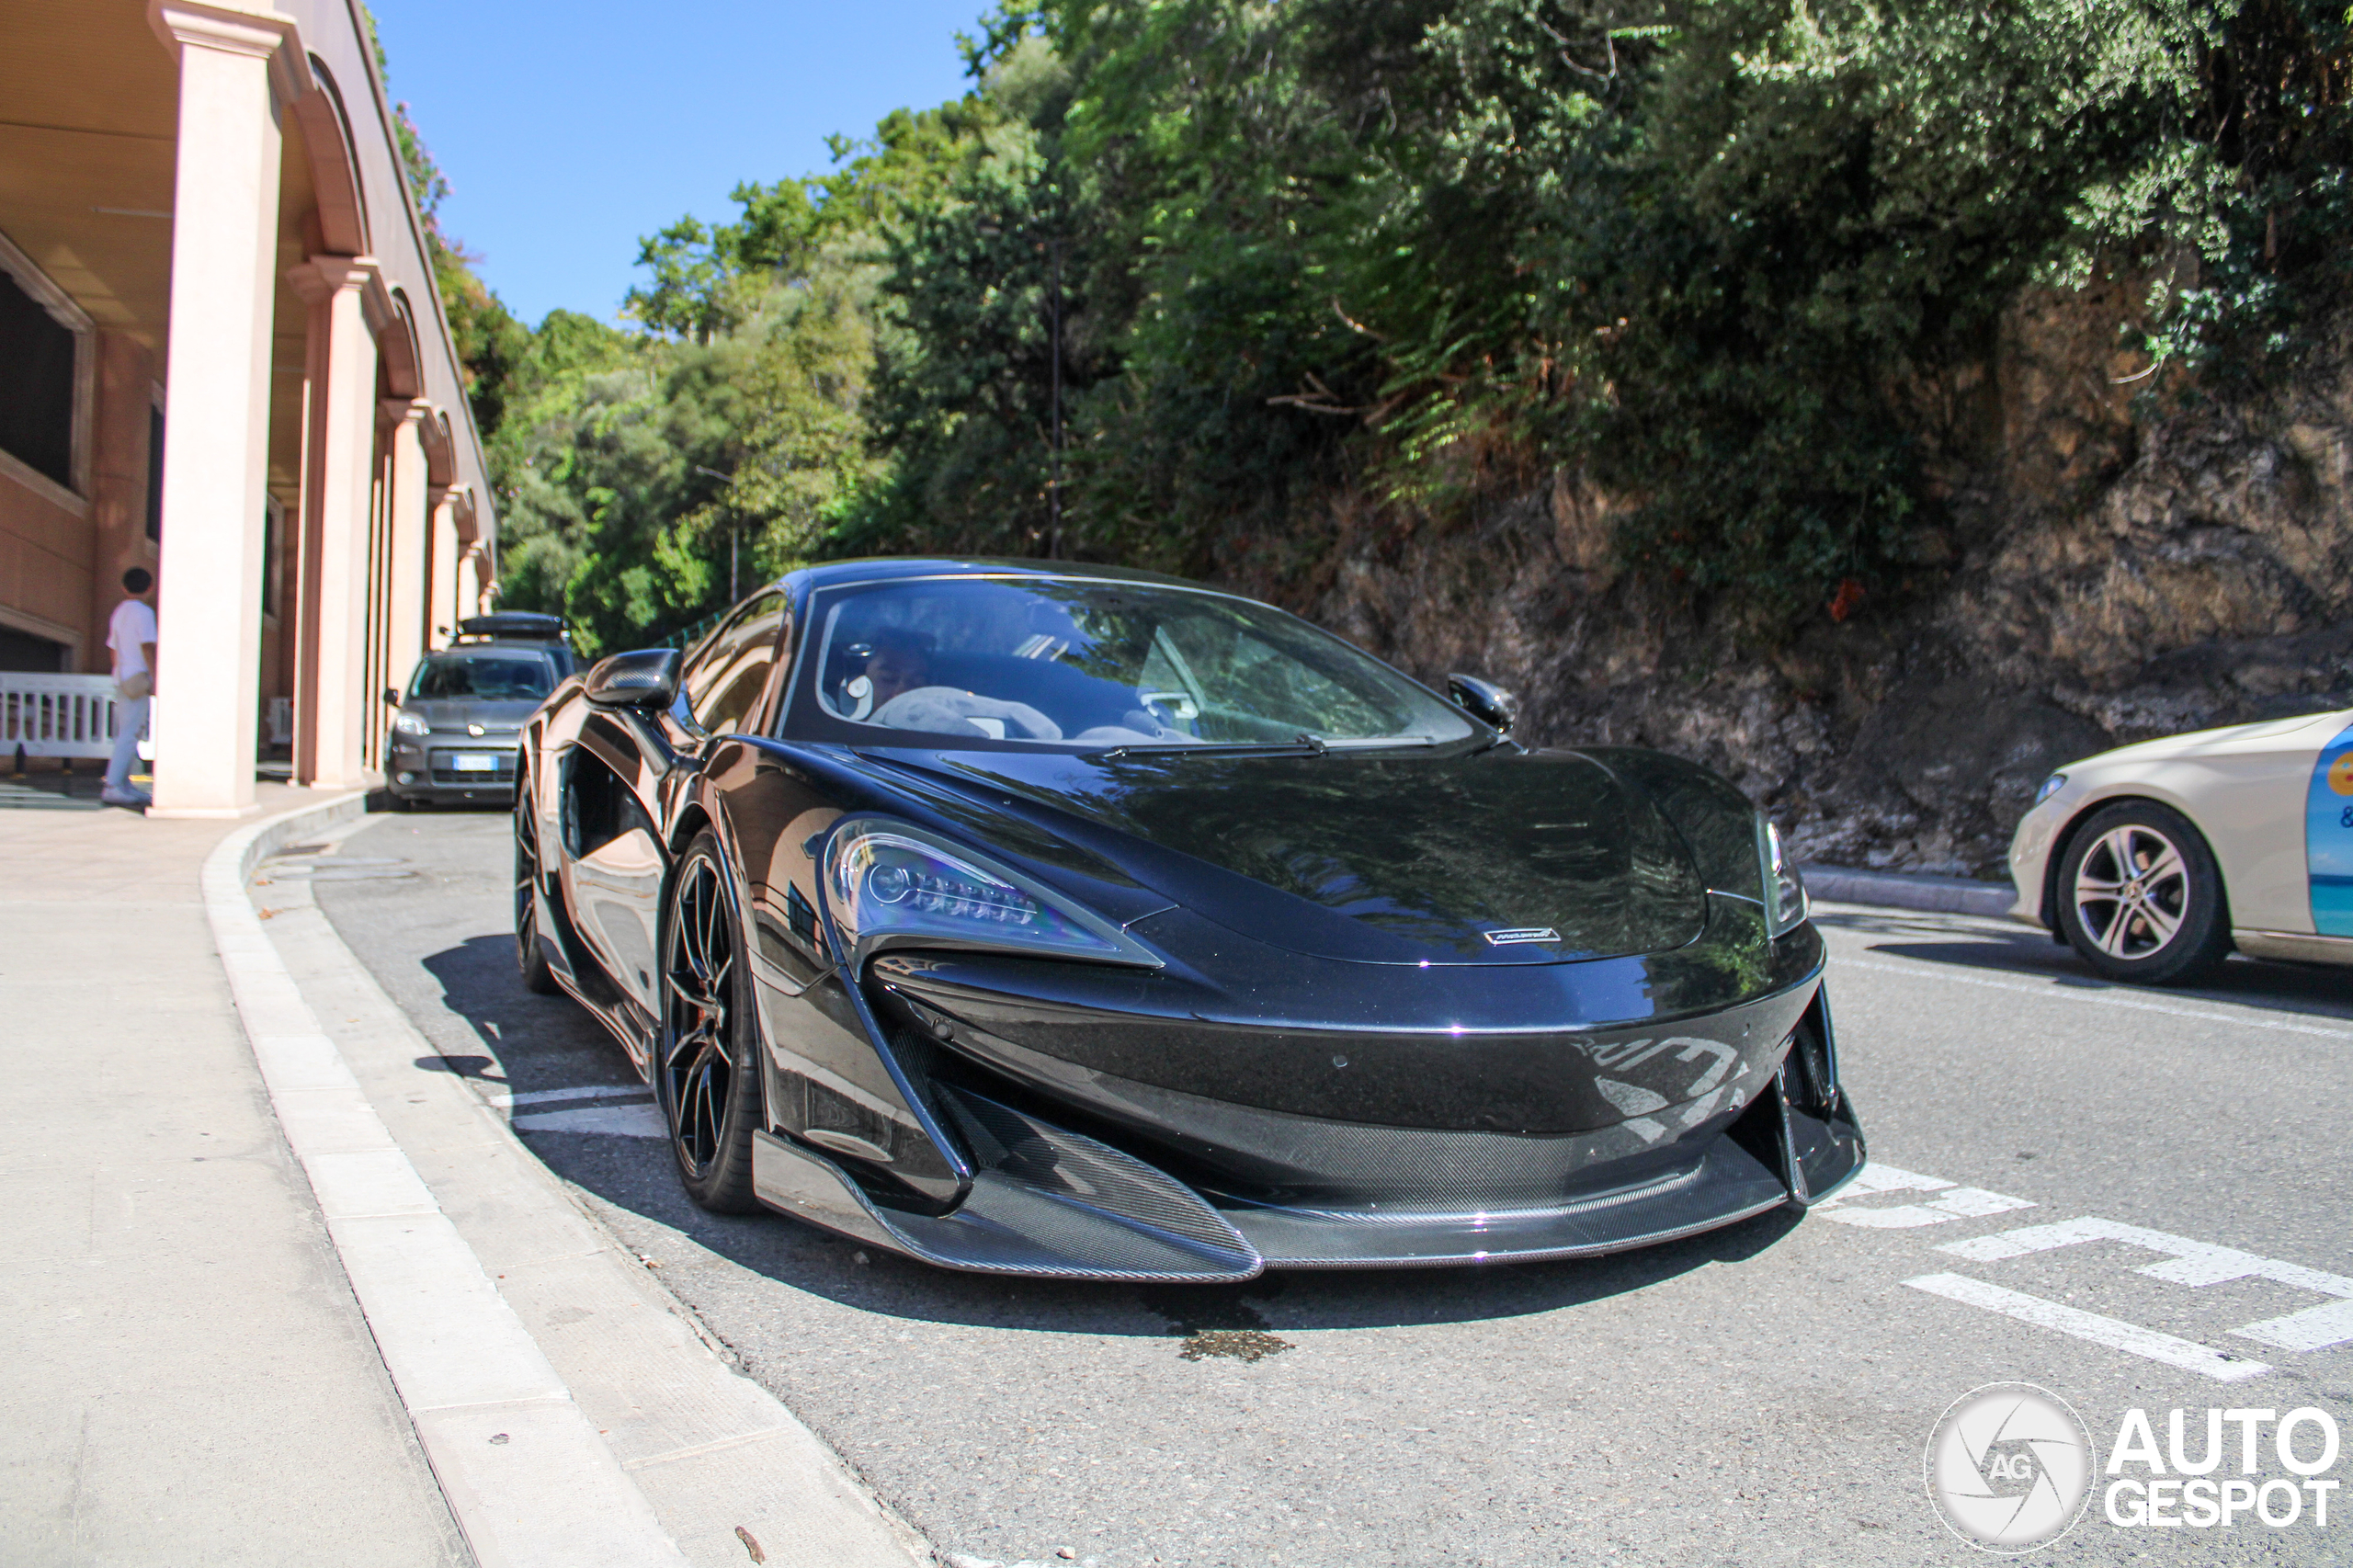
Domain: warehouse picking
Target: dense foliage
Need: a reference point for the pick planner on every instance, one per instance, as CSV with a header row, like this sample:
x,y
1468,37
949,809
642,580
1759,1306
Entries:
x,y
1690,250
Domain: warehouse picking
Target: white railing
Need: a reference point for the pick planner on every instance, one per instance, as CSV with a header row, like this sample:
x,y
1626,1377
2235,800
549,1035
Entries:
x,y
58,715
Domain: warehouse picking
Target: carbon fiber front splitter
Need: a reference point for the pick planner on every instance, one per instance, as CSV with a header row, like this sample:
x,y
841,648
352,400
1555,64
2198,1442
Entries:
x,y
1053,1203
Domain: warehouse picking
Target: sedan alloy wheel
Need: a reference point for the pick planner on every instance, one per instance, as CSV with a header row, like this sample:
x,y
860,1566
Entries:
x,y
2141,898
2132,892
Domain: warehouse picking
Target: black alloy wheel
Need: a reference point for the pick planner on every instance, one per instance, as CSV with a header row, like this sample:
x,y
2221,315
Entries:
x,y
531,961
2141,898
705,1075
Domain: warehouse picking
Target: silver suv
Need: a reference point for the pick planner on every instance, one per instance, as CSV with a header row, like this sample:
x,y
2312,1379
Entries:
x,y
455,735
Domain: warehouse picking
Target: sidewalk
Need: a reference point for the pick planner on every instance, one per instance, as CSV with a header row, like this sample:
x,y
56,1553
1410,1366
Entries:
x,y
285,1290
1910,889
189,1380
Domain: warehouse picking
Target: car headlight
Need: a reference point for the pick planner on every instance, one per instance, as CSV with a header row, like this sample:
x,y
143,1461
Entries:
x,y
412,724
2051,787
1786,906
891,885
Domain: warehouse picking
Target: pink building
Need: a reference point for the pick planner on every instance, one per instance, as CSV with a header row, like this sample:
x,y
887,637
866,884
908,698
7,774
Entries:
x,y
223,356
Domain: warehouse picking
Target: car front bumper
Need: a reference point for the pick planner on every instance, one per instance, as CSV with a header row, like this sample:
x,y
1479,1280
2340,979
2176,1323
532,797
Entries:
x,y
451,770
1248,1154
2032,846
1054,1203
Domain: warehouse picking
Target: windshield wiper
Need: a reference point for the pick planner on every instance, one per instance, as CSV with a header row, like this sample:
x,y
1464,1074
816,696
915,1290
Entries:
x,y
1213,749
1379,742
1306,746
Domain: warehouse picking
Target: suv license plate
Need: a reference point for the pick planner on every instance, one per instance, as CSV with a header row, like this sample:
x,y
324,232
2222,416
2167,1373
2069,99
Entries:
x,y
474,762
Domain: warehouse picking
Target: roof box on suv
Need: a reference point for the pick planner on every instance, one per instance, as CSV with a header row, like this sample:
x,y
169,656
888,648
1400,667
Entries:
x,y
515,626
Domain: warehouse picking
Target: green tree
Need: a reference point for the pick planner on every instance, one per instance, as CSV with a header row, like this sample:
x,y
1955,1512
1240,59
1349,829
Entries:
x,y
1702,253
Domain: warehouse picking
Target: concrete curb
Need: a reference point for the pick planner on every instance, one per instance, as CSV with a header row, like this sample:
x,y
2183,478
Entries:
x,y
1909,889
529,1480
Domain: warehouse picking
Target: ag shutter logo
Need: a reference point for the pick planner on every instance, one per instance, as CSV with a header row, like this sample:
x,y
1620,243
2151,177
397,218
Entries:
x,y
2009,1468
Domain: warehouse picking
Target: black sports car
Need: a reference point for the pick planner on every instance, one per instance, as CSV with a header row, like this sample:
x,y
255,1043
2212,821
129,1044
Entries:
x,y
1068,921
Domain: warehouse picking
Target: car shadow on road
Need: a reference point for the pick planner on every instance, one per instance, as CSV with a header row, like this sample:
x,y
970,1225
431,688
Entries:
x,y
2028,952
531,1043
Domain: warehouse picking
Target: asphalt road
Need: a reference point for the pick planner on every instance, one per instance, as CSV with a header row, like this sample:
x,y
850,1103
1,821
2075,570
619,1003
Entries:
x,y
1759,1395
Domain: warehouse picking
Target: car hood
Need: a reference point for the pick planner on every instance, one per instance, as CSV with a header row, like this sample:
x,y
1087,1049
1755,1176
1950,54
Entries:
x,y
452,714
1390,858
2200,741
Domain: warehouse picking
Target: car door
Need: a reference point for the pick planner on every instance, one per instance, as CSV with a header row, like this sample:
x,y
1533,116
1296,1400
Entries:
x,y
613,857
2264,797
827,1085
2328,828
619,784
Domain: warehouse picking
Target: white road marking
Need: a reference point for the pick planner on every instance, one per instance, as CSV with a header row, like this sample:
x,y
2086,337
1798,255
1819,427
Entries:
x,y
2115,1335
595,1091
2193,1262
613,1121
1976,1203
1955,1202
2314,1328
1877,1177
2187,1262
2103,998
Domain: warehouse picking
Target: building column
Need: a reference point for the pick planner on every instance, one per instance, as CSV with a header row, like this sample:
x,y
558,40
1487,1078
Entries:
x,y
332,704
120,457
441,612
408,543
470,582
235,68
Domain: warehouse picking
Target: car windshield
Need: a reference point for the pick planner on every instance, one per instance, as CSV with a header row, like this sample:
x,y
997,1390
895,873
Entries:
x,y
1097,664
487,677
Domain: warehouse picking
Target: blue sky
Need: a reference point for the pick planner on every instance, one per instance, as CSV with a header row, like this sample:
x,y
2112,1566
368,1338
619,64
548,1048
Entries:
x,y
568,131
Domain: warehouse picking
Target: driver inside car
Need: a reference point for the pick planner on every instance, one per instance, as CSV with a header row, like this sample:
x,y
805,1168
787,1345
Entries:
x,y
895,691
900,662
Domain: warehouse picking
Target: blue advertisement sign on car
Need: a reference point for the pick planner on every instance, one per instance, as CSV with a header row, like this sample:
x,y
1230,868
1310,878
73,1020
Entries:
x,y
2328,836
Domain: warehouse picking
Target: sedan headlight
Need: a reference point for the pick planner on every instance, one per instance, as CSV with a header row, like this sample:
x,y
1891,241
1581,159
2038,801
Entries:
x,y
2051,787
412,724
1786,906
891,885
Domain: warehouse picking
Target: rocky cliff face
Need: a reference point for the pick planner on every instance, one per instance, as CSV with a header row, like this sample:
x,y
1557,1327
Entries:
x,y
2099,577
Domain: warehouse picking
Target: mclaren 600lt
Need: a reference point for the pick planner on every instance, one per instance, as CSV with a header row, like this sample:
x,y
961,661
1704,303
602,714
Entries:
x,y
1049,920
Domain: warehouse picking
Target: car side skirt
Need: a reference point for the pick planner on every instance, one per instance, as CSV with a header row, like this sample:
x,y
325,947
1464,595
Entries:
x,y
2295,947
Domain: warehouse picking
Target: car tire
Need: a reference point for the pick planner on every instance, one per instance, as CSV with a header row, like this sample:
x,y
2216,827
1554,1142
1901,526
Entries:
x,y
2141,898
530,960
706,1065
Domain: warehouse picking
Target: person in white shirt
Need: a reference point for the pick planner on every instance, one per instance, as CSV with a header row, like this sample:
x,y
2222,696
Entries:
x,y
131,634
